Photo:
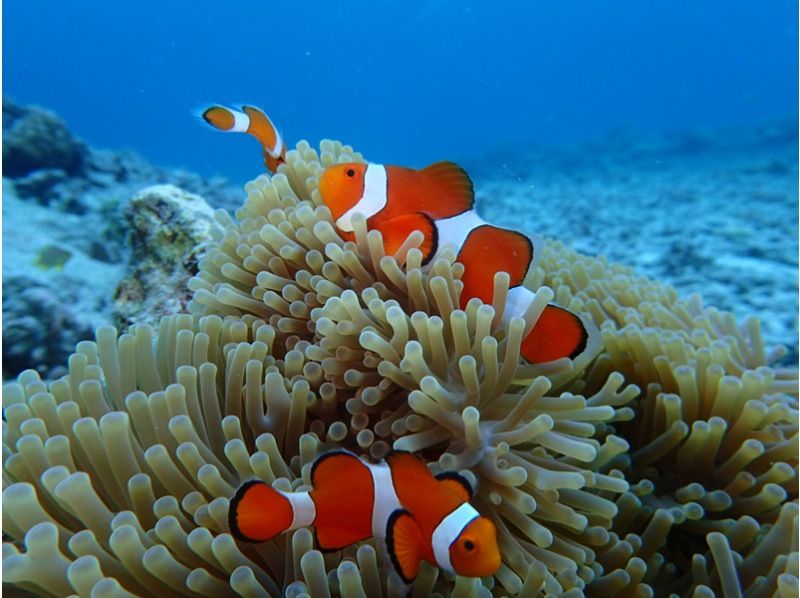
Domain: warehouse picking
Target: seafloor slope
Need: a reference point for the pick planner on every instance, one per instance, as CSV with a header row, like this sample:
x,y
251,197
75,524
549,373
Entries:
x,y
710,212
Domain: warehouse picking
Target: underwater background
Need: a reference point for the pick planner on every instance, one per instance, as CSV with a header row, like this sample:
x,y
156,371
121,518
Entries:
x,y
407,82
654,146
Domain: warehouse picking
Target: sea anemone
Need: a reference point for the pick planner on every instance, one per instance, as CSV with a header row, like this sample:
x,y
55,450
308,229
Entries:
x,y
118,474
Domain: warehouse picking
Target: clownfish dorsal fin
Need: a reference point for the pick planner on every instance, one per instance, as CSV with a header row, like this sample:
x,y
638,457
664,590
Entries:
x,y
456,484
335,475
335,466
409,464
557,333
396,231
452,185
404,544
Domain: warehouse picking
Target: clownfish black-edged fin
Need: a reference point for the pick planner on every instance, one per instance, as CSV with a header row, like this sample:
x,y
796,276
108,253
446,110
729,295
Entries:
x,y
404,544
333,476
410,471
257,512
331,466
456,484
407,461
489,249
396,231
452,185
557,333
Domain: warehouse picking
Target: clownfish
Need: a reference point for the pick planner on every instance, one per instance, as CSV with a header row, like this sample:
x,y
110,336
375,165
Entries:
x,y
253,121
439,201
421,517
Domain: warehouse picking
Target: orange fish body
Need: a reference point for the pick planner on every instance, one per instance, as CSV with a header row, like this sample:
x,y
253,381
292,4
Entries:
x,y
421,517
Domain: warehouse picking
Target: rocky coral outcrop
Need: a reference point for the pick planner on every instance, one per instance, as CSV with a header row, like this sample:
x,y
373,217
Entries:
x,y
37,139
169,231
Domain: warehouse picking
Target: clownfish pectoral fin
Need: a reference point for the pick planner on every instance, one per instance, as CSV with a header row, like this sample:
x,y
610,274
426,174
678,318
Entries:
x,y
456,484
557,333
404,544
452,187
396,231
257,512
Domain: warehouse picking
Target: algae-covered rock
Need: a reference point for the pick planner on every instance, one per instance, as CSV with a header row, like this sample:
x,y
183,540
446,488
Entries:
x,y
169,232
34,139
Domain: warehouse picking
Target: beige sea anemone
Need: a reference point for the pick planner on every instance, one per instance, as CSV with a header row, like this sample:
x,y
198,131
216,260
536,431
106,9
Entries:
x,y
117,476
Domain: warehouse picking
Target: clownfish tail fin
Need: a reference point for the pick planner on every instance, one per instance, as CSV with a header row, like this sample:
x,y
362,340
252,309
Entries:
x,y
258,512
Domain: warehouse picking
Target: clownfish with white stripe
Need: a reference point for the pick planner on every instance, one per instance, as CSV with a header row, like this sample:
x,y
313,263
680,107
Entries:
x,y
438,201
420,516
253,121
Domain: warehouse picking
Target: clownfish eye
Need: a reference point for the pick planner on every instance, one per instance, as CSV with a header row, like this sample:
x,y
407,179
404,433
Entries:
x,y
351,173
469,545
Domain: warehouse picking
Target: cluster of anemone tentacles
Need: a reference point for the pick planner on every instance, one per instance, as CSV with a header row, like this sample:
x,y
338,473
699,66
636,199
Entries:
x,y
664,461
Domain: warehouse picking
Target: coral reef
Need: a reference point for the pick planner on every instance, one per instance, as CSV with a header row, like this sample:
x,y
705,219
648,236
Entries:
x,y
37,140
169,231
664,462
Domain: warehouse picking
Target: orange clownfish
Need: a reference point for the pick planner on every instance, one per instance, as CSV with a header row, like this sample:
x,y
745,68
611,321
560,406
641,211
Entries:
x,y
438,201
253,121
420,516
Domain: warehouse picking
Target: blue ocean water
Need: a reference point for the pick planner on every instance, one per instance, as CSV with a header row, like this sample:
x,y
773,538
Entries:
x,y
404,82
